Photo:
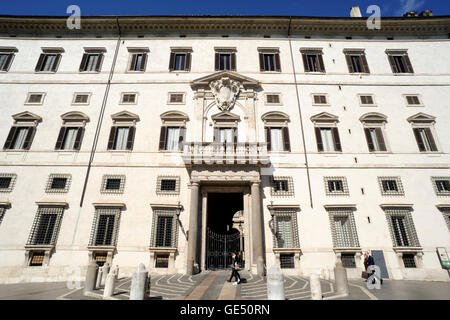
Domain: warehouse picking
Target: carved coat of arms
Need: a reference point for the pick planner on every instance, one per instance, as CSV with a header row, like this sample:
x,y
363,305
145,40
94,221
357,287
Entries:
x,y
225,92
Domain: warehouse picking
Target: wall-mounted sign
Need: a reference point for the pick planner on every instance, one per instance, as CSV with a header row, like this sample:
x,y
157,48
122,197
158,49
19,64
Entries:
x,y
443,256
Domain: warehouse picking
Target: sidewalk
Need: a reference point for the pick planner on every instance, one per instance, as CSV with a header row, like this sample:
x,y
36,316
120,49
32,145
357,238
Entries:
x,y
214,286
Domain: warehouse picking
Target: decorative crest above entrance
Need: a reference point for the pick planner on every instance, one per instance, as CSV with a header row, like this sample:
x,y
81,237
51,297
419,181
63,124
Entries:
x,y
225,91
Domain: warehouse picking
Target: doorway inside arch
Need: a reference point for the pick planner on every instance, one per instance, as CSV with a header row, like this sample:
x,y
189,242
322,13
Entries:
x,y
224,233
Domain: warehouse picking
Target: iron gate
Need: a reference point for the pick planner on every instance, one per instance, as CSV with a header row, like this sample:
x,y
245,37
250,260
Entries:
x,y
219,248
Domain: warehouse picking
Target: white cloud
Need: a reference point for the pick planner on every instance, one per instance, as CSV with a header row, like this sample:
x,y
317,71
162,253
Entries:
x,y
409,5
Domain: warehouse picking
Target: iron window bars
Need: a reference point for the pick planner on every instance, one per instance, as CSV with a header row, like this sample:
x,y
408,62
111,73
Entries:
x,y
282,186
113,184
391,186
46,224
285,228
105,227
164,228
336,186
58,183
343,228
7,181
401,226
168,185
441,185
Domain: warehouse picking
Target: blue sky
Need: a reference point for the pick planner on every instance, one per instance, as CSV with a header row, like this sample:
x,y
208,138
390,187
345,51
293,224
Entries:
x,y
335,8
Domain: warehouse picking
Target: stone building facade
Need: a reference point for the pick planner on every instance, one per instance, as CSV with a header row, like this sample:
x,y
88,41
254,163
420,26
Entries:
x,y
173,141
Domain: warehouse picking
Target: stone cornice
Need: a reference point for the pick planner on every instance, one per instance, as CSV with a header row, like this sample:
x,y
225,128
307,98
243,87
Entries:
x,y
217,25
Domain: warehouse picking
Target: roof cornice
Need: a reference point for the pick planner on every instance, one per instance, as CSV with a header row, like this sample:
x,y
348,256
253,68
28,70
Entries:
x,y
243,25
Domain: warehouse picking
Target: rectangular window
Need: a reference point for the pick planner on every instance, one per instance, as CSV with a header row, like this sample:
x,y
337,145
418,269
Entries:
x,y
441,185
313,61
7,181
37,258
391,186
105,227
348,260
413,100
225,61
92,60
269,61
162,261
282,186
69,138
180,61
399,61
375,140
328,139
81,98
100,258
113,184
343,228
287,261
58,183
176,98
35,98
277,139
273,99
446,213
2,213
129,98
356,61
402,228
171,138
46,226
6,59
425,140
164,228
121,138
366,100
49,60
285,229
22,138
168,185
408,260
138,61
320,99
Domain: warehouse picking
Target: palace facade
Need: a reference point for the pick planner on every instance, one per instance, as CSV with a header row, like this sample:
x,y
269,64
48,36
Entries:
x,y
174,140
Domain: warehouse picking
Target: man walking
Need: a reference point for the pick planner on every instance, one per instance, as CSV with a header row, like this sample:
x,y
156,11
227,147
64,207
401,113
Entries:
x,y
234,267
369,261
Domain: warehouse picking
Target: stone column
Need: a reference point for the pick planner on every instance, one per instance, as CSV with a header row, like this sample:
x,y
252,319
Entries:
x,y
257,228
193,229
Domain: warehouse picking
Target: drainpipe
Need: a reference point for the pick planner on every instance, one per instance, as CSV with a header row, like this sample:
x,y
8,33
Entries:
x,y
102,112
300,113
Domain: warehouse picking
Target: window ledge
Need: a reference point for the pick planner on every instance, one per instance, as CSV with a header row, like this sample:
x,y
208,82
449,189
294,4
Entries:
x,y
40,247
407,249
287,250
102,248
162,249
347,250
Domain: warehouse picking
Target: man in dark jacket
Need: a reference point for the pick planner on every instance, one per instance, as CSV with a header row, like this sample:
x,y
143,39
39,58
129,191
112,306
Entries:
x,y
369,261
234,273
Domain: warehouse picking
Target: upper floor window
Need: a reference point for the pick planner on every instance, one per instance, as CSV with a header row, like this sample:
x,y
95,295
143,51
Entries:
x,y
173,131
92,60
284,227
441,185
320,100
356,61
269,59
276,131
22,132
413,100
343,227
164,228
71,133
367,100
327,134
105,226
6,57
313,60
336,186
176,98
225,59
399,61
273,99
401,226
374,130
180,59
391,186
49,60
138,59
35,98
81,98
128,98
121,136
282,186
7,181
423,128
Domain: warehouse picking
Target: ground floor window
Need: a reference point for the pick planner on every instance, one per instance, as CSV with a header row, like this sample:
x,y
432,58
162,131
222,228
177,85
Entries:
x,y
348,260
408,260
287,261
162,261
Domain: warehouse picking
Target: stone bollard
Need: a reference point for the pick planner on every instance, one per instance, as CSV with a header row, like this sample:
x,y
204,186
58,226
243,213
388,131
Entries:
x,y
91,275
275,284
105,273
316,289
340,278
140,283
117,273
98,281
110,283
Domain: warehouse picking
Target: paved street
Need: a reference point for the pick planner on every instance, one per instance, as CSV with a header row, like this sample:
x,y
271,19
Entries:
x,y
214,286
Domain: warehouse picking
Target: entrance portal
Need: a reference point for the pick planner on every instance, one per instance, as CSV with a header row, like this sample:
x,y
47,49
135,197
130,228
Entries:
x,y
224,229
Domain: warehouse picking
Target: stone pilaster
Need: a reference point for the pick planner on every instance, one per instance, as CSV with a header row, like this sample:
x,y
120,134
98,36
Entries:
x,y
193,229
257,228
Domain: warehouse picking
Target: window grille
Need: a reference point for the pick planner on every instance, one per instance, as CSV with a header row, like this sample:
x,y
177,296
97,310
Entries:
x,y
285,229
37,258
168,185
113,184
336,186
348,260
164,228
408,260
46,226
162,261
100,258
58,183
7,181
105,227
282,186
401,226
287,261
343,228
446,213
441,185
391,186
176,97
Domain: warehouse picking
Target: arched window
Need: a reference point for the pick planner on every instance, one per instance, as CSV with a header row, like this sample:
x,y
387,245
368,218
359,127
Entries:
x,y
327,134
72,130
424,132
121,136
22,132
373,123
173,131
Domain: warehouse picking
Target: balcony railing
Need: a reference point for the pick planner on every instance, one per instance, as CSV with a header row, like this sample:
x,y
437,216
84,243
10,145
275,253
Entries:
x,y
225,153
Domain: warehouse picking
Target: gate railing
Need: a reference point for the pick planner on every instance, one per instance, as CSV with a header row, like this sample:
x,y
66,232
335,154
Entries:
x,y
219,248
